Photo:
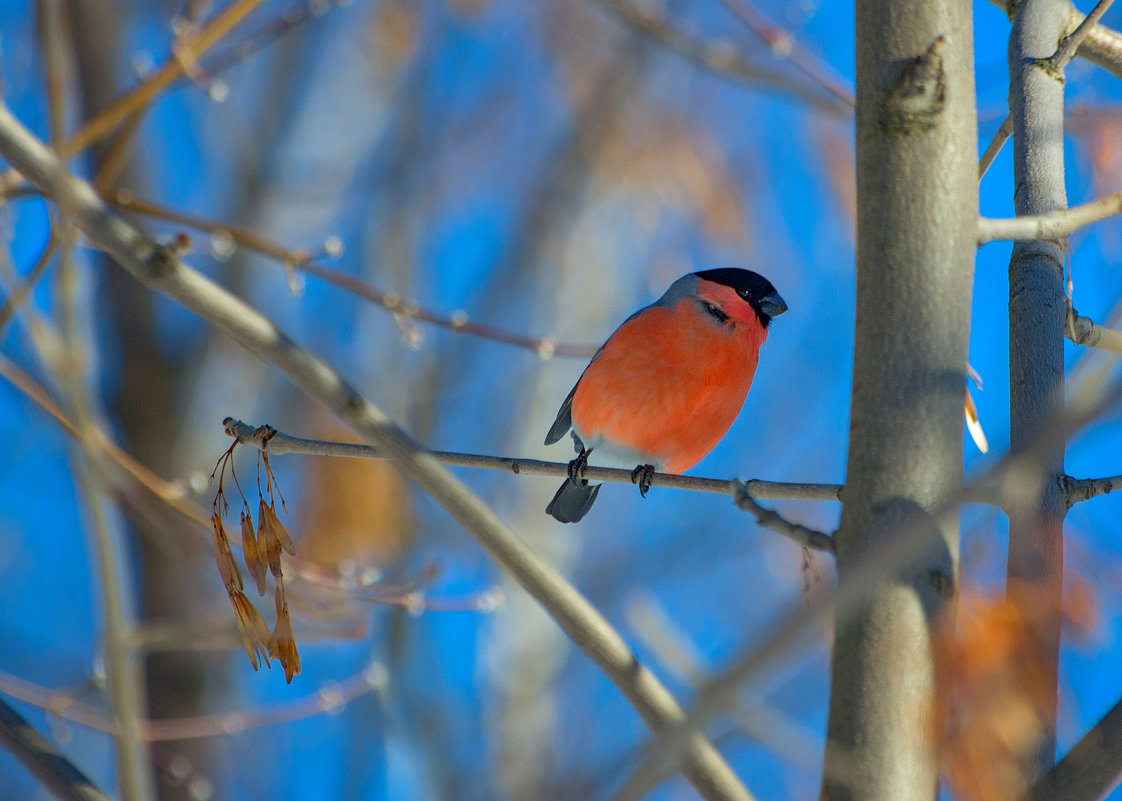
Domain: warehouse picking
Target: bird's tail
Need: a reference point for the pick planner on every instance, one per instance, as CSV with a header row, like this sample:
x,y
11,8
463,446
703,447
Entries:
x,y
572,501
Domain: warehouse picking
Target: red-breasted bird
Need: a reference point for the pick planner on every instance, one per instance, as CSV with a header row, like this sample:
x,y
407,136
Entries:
x,y
666,386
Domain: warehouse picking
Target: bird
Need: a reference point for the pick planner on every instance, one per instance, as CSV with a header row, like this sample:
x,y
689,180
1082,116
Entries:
x,y
664,389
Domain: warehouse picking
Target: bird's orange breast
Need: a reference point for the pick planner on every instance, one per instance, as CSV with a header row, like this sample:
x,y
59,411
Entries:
x,y
668,384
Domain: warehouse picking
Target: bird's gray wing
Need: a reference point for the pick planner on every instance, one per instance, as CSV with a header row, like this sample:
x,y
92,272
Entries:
x,y
564,419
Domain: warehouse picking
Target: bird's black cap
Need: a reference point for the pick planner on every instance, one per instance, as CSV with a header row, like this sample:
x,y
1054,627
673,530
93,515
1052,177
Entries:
x,y
756,290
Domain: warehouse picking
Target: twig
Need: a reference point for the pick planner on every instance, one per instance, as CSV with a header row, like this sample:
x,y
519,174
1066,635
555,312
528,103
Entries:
x,y
193,45
303,260
1052,225
719,57
162,269
1090,769
1000,137
1083,331
174,495
1073,40
331,697
1077,490
266,438
783,46
1103,45
57,773
796,532
22,291
901,544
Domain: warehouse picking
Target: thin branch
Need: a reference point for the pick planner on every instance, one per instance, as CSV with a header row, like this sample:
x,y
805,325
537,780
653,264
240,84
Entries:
x,y
174,494
1073,40
1077,490
190,48
1052,225
796,532
1000,137
267,438
1090,769
123,669
784,46
1103,45
57,773
1083,331
331,697
304,260
162,269
22,291
901,544
719,56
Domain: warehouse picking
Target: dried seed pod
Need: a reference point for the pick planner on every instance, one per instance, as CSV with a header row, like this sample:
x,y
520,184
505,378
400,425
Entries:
x,y
254,630
282,643
224,557
268,543
253,561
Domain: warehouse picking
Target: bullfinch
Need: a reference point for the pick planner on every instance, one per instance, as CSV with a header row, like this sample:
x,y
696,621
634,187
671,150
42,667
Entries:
x,y
666,386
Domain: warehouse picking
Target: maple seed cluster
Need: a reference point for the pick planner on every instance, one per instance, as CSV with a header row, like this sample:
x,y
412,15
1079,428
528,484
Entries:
x,y
261,550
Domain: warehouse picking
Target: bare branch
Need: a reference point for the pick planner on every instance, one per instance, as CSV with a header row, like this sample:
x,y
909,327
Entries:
x,y
721,57
57,773
1073,40
331,697
1083,331
1103,45
304,260
784,46
161,269
1090,769
1052,225
799,534
1077,490
266,438
1000,137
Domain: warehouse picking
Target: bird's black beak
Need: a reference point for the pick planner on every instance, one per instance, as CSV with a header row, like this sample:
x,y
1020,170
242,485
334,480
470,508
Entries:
x,y
773,305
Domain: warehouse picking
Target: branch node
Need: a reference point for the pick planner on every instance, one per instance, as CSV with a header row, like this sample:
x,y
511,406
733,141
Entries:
x,y
916,100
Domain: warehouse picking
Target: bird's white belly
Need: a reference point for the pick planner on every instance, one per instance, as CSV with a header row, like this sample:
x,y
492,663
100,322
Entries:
x,y
604,454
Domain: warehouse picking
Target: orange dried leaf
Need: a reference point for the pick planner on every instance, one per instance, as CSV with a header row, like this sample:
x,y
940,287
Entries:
x,y
253,561
224,557
254,630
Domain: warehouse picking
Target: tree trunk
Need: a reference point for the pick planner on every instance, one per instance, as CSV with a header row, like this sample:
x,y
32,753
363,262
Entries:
x,y
917,218
1037,312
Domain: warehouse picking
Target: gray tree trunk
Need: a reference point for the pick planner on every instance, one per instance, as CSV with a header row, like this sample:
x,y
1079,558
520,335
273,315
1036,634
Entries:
x,y
1036,352
917,218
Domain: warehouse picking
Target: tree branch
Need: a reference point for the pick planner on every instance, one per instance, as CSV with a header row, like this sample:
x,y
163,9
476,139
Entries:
x,y
1082,331
768,518
1077,490
57,773
161,269
304,261
1070,43
331,697
1103,45
267,438
720,57
1050,225
1090,769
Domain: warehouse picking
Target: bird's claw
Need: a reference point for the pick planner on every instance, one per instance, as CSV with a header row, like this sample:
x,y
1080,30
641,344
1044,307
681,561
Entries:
x,y
643,474
578,465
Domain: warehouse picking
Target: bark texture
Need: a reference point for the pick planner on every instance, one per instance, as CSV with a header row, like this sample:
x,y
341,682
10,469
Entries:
x,y
1037,312
917,216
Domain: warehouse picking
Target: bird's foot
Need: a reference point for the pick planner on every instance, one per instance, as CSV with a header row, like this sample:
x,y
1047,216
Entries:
x,y
578,465
643,474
